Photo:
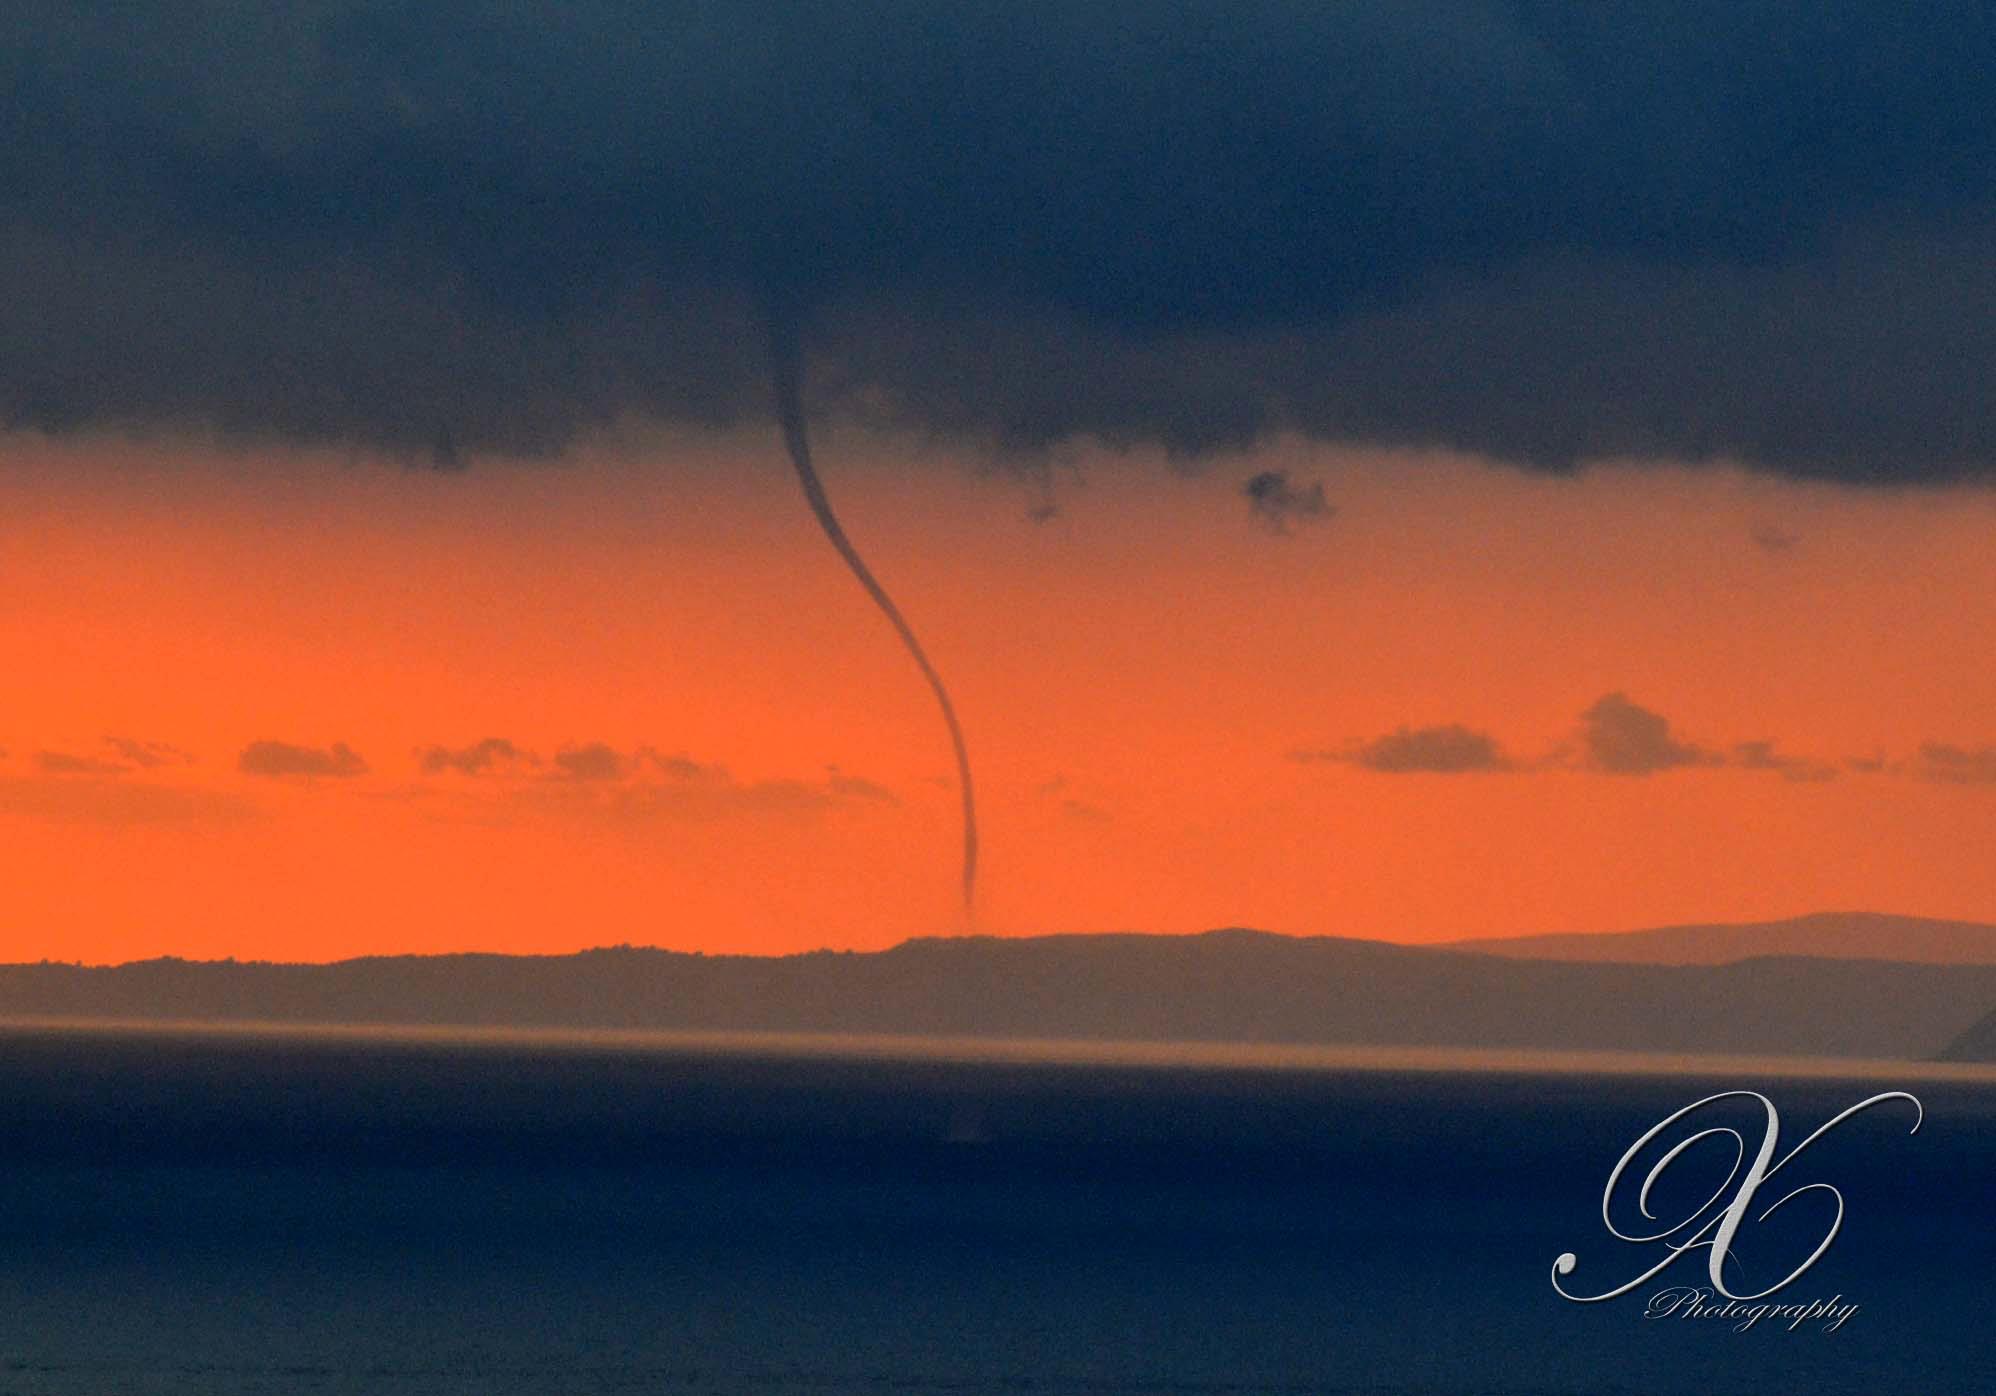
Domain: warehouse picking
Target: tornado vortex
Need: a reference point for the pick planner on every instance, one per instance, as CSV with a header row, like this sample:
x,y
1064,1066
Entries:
x,y
787,375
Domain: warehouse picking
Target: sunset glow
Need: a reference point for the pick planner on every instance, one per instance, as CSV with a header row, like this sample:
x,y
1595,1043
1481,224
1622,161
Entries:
x,y
712,742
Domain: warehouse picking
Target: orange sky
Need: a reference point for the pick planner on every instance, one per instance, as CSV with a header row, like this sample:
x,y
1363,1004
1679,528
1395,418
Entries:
x,y
1135,677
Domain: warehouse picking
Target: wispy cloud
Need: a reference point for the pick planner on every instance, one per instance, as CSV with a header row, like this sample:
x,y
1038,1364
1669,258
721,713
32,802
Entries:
x,y
63,763
1449,749
1058,790
492,756
647,785
1764,756
148,755
125,755
116,800
1771,538
597,779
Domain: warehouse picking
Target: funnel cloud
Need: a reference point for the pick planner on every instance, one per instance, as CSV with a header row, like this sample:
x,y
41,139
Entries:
x,y
786,359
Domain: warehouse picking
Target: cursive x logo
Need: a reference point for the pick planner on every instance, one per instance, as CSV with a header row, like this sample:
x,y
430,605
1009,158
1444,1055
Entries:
x,y
1719,1230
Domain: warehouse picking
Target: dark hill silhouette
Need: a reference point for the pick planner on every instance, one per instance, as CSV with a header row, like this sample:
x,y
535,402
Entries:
x,y
1224,986
1836,935
1976,1044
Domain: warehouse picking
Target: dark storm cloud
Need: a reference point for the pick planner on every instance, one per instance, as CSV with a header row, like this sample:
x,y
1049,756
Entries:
x,y
270,758
1546,231
1276,502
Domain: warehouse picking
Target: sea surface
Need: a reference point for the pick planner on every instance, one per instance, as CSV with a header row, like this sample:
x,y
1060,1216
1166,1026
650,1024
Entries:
x,y
239,1211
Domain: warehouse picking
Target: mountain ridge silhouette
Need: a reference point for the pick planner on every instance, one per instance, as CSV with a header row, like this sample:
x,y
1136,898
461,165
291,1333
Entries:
x,y
1229,985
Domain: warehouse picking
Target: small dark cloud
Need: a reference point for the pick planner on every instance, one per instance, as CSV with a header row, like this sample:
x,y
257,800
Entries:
x,y
1617,737
272,758
1957,765
1763,756
1866,765
593,761
63,763
1772,539
491,756
1626,739
1276,503
1449,749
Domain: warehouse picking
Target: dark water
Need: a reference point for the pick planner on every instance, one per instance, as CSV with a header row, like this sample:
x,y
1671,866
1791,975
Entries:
x,y
185,1214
